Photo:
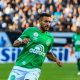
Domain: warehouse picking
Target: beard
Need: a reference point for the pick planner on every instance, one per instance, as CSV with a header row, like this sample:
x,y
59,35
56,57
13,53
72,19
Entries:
x,y
46,28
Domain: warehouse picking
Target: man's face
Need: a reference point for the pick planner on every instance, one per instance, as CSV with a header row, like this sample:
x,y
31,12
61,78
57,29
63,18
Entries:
x,y
45,23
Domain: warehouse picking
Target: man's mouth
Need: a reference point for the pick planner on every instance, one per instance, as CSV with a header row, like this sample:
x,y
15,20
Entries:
x,y
47,27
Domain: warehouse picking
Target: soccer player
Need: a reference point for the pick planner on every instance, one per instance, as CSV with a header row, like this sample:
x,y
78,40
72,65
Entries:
x,y
76,44
36,42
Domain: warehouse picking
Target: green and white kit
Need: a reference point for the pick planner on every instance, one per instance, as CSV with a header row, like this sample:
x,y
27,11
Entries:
x,y
76,40
34,52
29,62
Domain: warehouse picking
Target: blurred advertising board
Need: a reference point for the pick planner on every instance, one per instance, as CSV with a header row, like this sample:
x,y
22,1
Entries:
x,y
10,54
60,38
4,40
63,54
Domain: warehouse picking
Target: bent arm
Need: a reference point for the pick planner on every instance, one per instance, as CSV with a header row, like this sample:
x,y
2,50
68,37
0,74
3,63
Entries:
x,y
23,39
51,56
18,43
54,58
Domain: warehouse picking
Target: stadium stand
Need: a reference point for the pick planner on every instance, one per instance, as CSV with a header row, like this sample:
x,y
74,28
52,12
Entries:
x,y
16,15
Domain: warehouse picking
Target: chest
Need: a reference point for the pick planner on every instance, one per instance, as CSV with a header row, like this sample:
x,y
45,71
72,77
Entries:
x,y
40,38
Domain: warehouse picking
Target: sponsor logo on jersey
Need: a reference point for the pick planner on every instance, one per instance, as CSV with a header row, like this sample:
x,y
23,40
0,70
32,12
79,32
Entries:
x,y
39,49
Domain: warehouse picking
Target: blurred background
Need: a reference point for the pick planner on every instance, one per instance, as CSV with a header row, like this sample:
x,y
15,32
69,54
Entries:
x,y
17,15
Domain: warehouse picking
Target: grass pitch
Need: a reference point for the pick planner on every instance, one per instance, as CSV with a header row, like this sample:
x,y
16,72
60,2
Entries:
x,y
50,71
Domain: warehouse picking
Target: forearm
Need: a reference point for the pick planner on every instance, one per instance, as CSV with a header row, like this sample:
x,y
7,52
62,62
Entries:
x,y
51,56
71,47
18,43
54,58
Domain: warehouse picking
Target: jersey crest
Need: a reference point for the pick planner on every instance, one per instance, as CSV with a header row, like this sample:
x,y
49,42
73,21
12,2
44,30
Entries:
x,y
35,34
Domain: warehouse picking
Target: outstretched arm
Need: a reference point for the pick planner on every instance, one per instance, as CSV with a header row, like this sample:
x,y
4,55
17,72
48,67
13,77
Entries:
x,y
54,58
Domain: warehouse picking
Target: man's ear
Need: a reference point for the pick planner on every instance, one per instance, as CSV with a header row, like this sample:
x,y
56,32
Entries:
x,y
41,22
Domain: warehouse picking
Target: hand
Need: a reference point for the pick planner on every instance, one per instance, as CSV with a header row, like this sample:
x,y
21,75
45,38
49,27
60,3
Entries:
x,y
58,63
26,40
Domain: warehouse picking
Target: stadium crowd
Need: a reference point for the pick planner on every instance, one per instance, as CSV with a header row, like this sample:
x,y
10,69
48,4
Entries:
x,y
16,15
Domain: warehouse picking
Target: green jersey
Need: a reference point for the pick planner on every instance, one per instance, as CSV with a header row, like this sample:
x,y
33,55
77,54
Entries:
x,y
34,52
76,39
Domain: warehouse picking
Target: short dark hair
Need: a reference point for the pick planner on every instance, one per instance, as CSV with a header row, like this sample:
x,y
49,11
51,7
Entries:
x,y
43,14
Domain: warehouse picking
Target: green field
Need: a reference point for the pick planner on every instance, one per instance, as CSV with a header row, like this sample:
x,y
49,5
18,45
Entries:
x,y
50,71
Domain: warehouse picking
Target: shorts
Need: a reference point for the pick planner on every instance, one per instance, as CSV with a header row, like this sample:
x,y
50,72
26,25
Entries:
x,y
77,54
20,73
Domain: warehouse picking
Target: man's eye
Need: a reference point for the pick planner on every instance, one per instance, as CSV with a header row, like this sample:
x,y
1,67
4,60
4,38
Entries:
x,y
47,21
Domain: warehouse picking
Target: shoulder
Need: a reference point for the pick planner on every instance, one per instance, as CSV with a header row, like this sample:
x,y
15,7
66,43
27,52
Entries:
x,y
50,35
74,36
30,28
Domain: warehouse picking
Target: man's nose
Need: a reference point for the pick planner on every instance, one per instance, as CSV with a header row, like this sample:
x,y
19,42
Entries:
x,y
48,23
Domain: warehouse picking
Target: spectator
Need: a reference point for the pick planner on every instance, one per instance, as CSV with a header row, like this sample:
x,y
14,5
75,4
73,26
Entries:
x,y
57,14
17,11
51,9
3,25
8,9
16,18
